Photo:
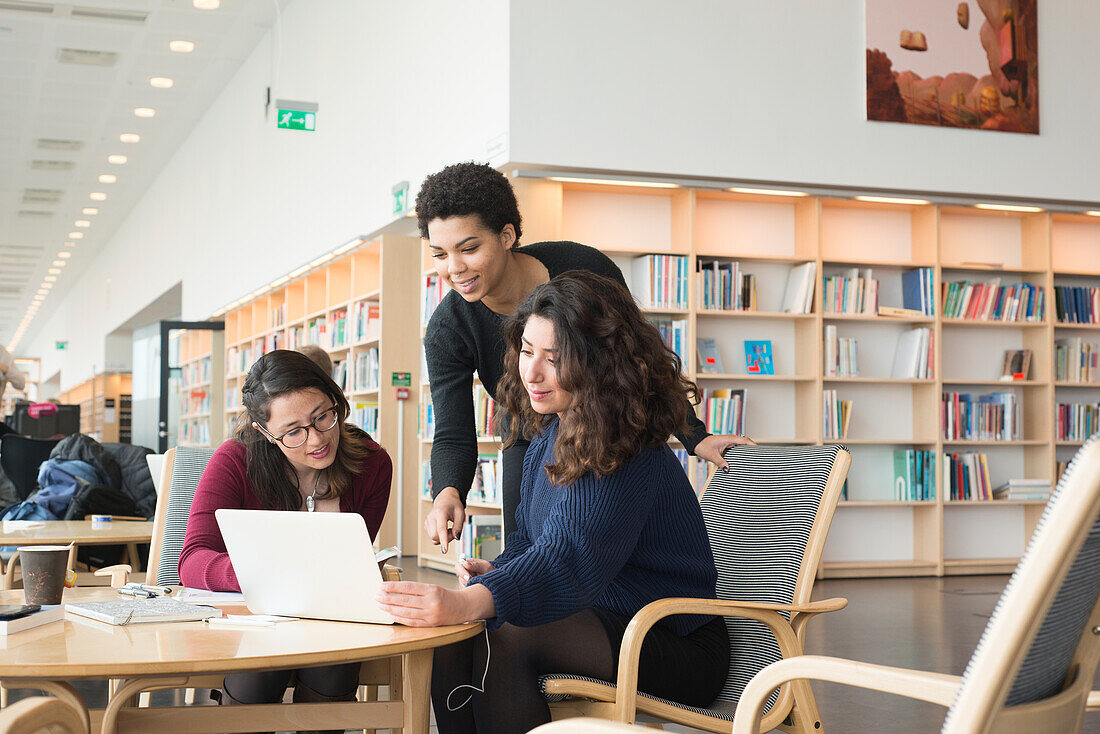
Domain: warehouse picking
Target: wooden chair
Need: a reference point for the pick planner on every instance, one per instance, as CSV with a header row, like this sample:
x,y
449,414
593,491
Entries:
x,y
183,467
767,519
42,715
1035,662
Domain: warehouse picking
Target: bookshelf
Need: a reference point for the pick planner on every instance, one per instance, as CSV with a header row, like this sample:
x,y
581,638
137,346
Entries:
x,y
105,406
337,304
32,370
873,534
201,385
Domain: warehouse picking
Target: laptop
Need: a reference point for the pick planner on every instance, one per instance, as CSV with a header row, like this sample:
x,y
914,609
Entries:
x,y
318,565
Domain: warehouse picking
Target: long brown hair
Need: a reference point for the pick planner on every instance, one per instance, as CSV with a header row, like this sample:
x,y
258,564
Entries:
x,y
628,390
269,472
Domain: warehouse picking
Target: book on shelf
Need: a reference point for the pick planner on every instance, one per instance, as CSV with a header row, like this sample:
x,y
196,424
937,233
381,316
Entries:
x,y
1077,304
142,611
48,613
1076,360
488,480
913,355
340,373
673,334
365,415
660,281
853,292
799,294
1076,421
366,321
1023,489
426,420
991,417
841,354
725,285
710,359
484,412
337,329
916,291
899,313
914,475
966,476
758,357
836,416
434,290
1015,364
991,301
723,411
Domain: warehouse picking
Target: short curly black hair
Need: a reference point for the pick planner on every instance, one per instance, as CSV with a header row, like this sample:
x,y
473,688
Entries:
x,y
468,188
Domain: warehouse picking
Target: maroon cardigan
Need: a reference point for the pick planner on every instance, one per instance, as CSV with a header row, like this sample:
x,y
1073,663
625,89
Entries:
x,y
204,562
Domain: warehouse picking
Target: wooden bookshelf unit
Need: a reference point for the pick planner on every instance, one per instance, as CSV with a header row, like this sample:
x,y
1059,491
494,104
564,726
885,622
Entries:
x,y
104,402
201,387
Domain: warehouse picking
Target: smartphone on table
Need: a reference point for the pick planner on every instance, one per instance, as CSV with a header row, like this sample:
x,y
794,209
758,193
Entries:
x,y
15,611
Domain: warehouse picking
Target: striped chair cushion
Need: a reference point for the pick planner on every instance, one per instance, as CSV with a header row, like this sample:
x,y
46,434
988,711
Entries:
x,y
758,516
1044,669
186,471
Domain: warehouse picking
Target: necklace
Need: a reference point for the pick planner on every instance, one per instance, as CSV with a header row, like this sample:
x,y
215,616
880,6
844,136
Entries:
x,y
311,503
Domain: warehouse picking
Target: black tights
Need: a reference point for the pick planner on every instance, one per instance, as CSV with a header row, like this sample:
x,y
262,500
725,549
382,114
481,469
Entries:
x,y
519,655
269,686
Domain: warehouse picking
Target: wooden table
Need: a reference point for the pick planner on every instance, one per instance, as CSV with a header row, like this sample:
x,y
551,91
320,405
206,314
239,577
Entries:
x,y
78,532
169,655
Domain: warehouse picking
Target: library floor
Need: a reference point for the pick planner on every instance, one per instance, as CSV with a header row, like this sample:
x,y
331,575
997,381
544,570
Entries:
x,y
928,624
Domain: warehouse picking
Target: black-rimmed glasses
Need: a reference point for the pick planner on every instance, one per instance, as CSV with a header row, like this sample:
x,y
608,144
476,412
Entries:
x,y
296,437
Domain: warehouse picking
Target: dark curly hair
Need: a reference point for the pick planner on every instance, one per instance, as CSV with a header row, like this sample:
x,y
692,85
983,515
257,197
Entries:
x,y
628,390
277,373
468,188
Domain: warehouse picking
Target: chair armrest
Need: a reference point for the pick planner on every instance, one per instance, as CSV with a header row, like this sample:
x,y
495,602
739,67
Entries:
x,y
626,691
119,574
936,688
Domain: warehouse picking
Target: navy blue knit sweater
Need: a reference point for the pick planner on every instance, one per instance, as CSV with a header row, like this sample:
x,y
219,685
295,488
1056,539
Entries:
x,y
617,543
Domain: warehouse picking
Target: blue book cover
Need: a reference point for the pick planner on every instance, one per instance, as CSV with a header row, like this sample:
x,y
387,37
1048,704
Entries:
x,y
913,290
758,357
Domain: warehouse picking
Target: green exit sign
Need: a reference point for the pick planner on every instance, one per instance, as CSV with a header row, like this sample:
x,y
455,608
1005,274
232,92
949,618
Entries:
x,y
296,115
61,345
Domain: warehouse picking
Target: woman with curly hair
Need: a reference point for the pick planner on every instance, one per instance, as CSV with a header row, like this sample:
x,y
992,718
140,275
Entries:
x,y
469,215
607,522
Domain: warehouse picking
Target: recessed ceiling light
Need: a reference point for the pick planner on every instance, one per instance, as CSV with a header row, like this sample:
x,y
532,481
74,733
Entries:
x,y
76,235
129,138
107,178
64,254
58,263
46,285
38,297
118,160
50,278
767,192
1008,208
161,82
53,271
144,111
892,200
82,223
181,47
97,196
91,211
206,4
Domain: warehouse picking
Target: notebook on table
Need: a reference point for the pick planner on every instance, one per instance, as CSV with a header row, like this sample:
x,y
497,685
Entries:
x,y
141,611
318,565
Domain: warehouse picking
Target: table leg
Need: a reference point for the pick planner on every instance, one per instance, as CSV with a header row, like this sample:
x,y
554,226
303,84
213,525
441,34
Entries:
x,y
416,686
132,557
59,689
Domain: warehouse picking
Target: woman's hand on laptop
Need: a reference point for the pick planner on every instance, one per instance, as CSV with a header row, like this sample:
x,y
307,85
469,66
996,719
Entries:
x,y
467,568
427,605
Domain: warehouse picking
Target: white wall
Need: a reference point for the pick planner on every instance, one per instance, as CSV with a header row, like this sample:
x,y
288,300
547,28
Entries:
x,y
776,91
403,89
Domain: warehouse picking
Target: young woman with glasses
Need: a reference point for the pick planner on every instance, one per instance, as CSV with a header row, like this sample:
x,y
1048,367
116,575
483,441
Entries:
x,y
295,452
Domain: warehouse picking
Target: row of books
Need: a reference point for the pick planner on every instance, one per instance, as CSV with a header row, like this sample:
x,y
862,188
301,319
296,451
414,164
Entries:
x,y
295,337
1077,304
232,398
724,285
425,422
841,354
836,416
434,290
194,402
914,475
723,411
482,536
273,341
1076,360
799,294
673,334
365,415
340,373
913,356
967,476
367,376
1076,421
278,315
854,292
917,291
366,321
486,488
484,412
195,433
1023,489
992,417
195,373
660,281
239,359
992,301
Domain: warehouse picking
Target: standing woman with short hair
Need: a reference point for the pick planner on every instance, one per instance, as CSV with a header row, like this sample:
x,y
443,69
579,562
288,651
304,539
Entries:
x,y
607,522
296,452
469,215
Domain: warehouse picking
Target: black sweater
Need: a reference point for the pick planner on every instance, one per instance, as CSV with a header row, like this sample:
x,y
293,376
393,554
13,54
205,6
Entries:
x,y
464,337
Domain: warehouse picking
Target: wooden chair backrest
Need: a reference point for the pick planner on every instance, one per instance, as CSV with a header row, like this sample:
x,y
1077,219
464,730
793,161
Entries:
x,y
1042,629
41,714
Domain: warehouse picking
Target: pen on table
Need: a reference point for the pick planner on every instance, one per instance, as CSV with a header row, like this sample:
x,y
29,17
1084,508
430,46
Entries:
x,y
166,590
141,593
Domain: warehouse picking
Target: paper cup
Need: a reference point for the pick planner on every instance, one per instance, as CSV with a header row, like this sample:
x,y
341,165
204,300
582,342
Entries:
x,y
44,568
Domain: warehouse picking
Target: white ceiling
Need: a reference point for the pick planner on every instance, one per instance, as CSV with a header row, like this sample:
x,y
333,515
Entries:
x,y
42,97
